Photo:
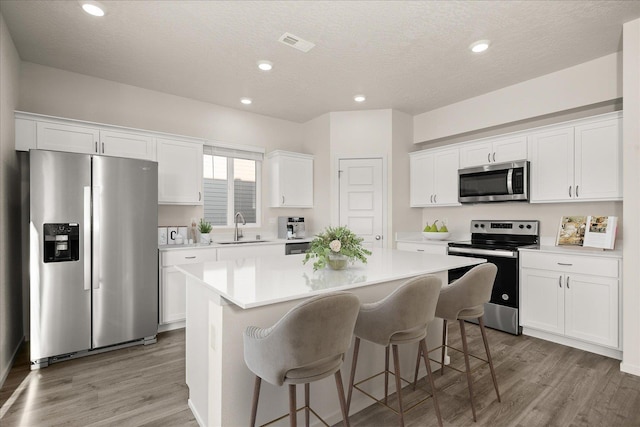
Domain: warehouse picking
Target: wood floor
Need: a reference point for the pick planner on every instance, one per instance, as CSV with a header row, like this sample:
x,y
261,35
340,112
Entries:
x,y
541,384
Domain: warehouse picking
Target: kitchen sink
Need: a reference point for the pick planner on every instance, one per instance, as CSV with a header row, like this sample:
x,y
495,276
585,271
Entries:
x,y
239,242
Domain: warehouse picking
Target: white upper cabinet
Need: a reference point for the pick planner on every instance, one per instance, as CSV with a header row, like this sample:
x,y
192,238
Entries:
x,y
491,151
434,177
290,179
581,162
179,172
63,137
130,145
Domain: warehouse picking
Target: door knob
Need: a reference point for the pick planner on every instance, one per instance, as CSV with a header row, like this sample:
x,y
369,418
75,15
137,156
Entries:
x,y
378,237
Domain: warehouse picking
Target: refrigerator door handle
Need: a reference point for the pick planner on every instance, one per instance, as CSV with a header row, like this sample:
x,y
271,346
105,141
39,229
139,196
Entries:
x,y
96,235
86,253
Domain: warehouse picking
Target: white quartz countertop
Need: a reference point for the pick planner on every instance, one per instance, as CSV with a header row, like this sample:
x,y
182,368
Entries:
x,y
260,281
567,250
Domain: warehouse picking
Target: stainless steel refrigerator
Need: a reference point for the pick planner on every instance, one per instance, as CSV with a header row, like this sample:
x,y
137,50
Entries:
x,y
93,254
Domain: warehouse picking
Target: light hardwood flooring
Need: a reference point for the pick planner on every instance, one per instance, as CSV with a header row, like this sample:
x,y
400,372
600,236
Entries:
x,y
541,384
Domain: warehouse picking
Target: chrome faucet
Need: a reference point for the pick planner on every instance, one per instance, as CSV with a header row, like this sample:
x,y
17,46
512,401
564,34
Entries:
x,y
237,236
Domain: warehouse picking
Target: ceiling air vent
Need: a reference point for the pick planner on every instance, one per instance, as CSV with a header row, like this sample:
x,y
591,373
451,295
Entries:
x,y
295,41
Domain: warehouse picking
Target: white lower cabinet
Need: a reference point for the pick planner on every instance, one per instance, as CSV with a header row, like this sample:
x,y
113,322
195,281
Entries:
x,y
172,283
572,297
428,248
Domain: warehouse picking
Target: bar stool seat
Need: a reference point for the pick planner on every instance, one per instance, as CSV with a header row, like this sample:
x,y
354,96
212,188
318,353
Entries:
x,y
307,344
463,300
400,318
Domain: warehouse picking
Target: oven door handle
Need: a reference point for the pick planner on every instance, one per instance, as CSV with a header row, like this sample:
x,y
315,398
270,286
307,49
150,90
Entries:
x,y
488,252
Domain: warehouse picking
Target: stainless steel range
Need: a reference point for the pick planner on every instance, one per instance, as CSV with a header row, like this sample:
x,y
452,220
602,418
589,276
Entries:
x,y
498,243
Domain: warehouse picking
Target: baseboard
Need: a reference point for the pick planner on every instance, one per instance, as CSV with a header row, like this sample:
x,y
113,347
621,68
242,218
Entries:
x,y
171,326
195,413
630,369
7,369
570,342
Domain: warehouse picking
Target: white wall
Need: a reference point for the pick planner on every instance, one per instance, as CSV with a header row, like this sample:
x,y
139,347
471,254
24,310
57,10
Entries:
x,y
56,92
11,328
590,83
403,217
631,182
316,141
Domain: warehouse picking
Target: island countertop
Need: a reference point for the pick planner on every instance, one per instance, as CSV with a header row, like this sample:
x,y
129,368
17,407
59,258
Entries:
x,y
259,281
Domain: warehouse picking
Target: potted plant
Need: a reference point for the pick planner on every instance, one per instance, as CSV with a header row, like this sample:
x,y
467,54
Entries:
x,y
204,228
335,247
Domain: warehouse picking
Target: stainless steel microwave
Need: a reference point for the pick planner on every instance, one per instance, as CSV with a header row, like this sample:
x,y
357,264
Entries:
x,y
494,183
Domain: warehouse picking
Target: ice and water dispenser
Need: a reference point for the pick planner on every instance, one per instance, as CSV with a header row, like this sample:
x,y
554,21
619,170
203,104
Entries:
x,y
61,242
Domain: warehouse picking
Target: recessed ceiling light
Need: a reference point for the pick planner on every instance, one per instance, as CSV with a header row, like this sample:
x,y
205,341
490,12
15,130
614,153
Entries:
x,y
265,65
246,101
359,98
92,8
479,46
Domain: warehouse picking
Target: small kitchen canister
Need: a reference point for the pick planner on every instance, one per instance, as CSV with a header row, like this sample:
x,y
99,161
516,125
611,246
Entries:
x,y
162,235
171,235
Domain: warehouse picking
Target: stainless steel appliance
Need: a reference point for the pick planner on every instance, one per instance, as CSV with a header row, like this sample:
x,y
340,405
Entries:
x,y
93,254
295,248
498,243
494,183
291,227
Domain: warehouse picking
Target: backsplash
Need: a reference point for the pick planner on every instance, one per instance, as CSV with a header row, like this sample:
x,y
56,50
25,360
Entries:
x,y
458,218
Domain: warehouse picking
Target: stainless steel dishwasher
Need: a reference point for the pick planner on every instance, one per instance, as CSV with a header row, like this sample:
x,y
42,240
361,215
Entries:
x,y
295,248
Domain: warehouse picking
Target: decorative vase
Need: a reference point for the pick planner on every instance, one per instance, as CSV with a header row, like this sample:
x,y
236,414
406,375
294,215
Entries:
x,y
205,238
337,261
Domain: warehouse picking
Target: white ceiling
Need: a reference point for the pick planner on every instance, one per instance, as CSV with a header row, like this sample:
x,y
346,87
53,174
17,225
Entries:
x,y
411,56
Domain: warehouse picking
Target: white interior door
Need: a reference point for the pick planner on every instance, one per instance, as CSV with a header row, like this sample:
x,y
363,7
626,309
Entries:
x,y
361,199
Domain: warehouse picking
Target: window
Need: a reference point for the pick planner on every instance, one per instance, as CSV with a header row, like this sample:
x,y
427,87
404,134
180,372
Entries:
x,y
231,184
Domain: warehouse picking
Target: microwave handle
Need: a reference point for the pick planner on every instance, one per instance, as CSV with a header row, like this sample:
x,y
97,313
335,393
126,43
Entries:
x,y
510,181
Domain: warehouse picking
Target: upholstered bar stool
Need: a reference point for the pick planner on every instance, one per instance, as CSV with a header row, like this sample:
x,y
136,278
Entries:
x,y
307,344
464,300
400,318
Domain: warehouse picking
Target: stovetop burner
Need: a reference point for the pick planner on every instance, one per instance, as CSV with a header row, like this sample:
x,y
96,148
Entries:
x,y
508,235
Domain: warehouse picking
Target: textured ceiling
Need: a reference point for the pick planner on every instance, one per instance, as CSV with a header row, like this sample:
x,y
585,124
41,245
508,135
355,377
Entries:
x,y
407,55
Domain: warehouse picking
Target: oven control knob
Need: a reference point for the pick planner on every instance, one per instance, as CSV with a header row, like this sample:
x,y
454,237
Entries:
x,y
481,225
529,226
476,225
521,226
505,297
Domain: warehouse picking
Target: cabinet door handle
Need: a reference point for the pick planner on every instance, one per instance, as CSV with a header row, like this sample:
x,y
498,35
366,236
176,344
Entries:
x,y
199,196
568,282
560,281
420,250
435,198
494,156
431,199
96,150
577,186
283,200
190,257
570,190
565,263
489,157
103,148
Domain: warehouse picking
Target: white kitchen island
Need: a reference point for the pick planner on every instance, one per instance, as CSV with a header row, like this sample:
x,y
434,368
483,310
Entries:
x,y
225,297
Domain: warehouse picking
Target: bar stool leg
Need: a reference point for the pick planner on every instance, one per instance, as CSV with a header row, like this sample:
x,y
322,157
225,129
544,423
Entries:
x,y
343,403
256,395
306,404
356,348
486,347
423,350
466,362
396,363
415,375
386,373
292,405
444,345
